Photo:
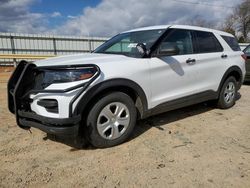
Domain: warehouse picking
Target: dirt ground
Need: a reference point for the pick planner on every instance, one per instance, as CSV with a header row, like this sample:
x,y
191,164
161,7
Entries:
x,y
198,146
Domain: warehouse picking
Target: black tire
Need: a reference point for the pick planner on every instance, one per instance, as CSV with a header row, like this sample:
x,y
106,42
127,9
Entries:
x,y
98,139
222,102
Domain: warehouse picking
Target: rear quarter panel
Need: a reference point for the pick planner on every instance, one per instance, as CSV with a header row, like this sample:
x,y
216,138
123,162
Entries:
x,y
234,59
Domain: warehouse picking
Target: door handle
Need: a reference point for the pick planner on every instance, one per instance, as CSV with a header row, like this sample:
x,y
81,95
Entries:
x,y
190,61
223,56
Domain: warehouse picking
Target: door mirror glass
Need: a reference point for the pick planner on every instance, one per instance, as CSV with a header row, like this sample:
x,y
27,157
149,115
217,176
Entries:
x,y
169,50
177,42
141,49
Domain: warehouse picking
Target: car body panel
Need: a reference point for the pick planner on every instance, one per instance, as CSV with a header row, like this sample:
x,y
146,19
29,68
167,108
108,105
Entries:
x,y
188,79
112,66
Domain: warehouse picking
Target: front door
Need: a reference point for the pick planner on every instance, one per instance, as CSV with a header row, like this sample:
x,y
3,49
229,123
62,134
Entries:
x,y
174,76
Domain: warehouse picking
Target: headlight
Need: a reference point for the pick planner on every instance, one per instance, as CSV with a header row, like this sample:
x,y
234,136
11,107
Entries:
x,y
62,75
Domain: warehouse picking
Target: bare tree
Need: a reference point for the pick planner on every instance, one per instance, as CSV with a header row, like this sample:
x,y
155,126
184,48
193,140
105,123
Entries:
x,y
229,25
242,14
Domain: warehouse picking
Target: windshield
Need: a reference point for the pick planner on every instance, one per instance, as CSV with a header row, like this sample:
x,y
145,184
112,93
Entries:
x,y
125,43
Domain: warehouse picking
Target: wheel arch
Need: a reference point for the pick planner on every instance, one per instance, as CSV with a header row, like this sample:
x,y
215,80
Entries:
x,y
126,86
234,71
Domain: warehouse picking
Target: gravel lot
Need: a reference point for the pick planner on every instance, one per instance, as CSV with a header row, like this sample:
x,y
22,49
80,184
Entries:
x,y
198,146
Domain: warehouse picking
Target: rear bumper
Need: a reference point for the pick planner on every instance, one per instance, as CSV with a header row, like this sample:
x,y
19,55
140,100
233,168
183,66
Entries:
x,y
55,126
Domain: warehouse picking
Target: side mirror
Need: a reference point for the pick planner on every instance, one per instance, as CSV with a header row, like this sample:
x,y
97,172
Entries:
x,y
141,49
169,50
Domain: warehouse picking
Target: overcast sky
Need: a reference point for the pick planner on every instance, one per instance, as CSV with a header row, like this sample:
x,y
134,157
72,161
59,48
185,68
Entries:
x,y
105,17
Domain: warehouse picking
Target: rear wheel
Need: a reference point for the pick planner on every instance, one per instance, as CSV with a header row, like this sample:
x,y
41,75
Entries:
x,y
111,120
228,93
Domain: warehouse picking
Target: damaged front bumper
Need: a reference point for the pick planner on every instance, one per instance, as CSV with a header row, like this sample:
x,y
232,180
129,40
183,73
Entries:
x,y
19,91
55,126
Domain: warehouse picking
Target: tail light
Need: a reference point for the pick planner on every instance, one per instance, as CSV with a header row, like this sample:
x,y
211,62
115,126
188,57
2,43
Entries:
x,y
244,56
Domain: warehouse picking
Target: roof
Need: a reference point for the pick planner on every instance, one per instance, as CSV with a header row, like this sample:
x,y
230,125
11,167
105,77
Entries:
x,y
180,27
148,28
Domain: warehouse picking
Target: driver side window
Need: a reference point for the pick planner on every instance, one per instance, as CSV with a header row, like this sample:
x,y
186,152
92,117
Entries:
x,y
180,39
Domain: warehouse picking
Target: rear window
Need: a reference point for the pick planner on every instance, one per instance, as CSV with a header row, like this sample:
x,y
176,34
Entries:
x,y
206,42
232,42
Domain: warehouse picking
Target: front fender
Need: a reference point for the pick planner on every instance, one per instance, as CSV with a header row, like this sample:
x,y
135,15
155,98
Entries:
x,y
108,86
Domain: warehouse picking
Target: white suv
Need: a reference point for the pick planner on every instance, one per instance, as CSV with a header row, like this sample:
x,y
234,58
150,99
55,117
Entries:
x,y
136,74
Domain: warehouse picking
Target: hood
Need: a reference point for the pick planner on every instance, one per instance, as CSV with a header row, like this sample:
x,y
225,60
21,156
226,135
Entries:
x,y
81,59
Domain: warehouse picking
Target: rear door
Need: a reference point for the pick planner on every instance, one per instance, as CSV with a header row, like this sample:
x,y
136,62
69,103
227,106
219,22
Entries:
x,y
211,60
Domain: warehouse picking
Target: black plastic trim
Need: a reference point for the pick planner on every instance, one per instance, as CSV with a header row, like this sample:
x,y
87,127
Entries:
x,y
65,131
228,72
109,84
16,92
12,83
183,102
50,121
48,103
51,105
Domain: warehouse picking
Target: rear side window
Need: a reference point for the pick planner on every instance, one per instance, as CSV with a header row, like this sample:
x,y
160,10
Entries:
x,y
232,42
206,42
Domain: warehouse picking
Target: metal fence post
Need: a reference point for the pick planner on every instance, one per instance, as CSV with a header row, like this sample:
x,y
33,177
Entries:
x,y
89,45
12,43
54,46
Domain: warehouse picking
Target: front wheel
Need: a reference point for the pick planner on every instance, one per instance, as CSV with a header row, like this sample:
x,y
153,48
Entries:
x,y
111,120
228,93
